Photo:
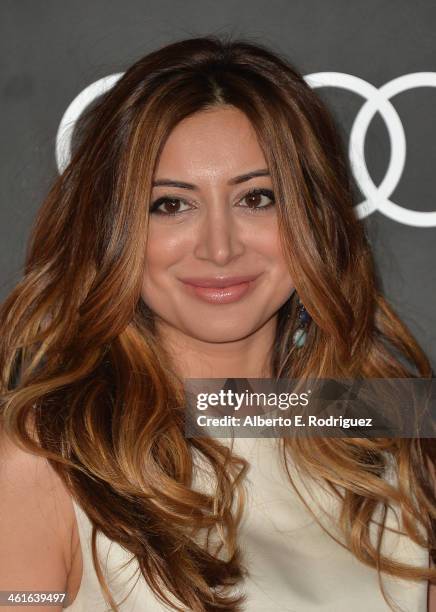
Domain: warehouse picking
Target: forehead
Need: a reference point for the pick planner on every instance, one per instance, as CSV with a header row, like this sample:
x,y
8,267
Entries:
x,y
216,142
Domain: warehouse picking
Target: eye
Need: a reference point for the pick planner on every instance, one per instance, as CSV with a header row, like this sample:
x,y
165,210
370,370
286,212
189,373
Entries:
x,y
172,204
255,199
255,202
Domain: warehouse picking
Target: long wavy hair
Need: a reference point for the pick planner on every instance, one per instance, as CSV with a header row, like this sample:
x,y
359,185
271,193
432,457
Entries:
x,y
86,384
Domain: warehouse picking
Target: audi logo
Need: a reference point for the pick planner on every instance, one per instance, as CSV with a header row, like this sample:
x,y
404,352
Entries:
x,y
376,100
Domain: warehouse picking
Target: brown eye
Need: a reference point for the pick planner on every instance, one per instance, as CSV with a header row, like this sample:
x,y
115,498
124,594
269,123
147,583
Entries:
x,y
257,199
254,199
170,206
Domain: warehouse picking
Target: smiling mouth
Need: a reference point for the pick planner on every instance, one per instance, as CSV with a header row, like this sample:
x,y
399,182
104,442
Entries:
x,y
221,295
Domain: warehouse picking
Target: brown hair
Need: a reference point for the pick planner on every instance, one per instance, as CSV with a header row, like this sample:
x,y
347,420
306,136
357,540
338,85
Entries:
x,y
81,362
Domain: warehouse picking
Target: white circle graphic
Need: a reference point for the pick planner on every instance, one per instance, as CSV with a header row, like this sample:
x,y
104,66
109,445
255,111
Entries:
x,y
377,198
377,100
73,112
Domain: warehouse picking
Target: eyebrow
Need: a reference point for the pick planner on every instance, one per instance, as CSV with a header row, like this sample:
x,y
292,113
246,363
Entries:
x,y
233,181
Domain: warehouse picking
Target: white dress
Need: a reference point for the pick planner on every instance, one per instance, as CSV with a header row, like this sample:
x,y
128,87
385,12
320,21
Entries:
x,y
294,565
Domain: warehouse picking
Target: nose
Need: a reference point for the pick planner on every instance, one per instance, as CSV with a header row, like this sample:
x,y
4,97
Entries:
x,y
219,238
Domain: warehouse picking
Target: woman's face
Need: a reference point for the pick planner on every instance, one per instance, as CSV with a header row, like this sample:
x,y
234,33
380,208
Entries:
x,y
215,222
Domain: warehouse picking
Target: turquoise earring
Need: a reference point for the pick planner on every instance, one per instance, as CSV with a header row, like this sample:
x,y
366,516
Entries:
x,y
300,334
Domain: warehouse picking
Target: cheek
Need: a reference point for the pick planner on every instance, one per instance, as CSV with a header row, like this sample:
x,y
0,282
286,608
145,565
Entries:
x,y
163,251
269,247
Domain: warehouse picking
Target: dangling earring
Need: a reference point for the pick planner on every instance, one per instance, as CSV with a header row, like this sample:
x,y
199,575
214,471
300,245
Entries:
x,y
300,334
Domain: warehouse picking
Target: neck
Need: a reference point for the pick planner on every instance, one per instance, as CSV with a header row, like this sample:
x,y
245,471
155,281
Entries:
x,y
249,357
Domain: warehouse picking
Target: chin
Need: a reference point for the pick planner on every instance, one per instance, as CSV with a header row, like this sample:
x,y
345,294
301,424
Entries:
x,y
221,333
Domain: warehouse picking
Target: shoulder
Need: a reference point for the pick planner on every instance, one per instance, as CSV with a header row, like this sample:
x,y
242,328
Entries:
x,y
37,520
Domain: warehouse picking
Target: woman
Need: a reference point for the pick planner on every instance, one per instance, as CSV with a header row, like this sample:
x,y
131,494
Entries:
x,y
213,160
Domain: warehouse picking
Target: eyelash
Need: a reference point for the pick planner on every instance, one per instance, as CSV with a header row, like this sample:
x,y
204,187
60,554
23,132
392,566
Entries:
x,y
257,191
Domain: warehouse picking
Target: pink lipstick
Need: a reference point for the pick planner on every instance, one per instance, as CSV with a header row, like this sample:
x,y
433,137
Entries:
x,y
220,290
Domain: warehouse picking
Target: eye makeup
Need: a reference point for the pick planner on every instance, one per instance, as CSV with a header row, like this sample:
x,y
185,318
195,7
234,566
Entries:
x,y
251,193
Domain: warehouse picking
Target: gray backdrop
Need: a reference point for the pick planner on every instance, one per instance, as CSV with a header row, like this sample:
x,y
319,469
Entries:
x,y
52,50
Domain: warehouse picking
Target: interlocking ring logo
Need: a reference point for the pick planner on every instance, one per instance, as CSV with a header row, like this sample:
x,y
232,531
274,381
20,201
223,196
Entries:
x,y
377,100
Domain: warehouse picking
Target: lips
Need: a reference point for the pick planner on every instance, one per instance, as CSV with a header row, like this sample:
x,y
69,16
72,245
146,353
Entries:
x,y
220,290
219,281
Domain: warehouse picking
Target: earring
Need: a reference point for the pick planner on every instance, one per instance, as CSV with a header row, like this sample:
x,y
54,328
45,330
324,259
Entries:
x,y
300,334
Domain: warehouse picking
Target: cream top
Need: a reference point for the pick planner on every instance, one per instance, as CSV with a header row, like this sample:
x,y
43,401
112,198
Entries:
x,y
294,565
